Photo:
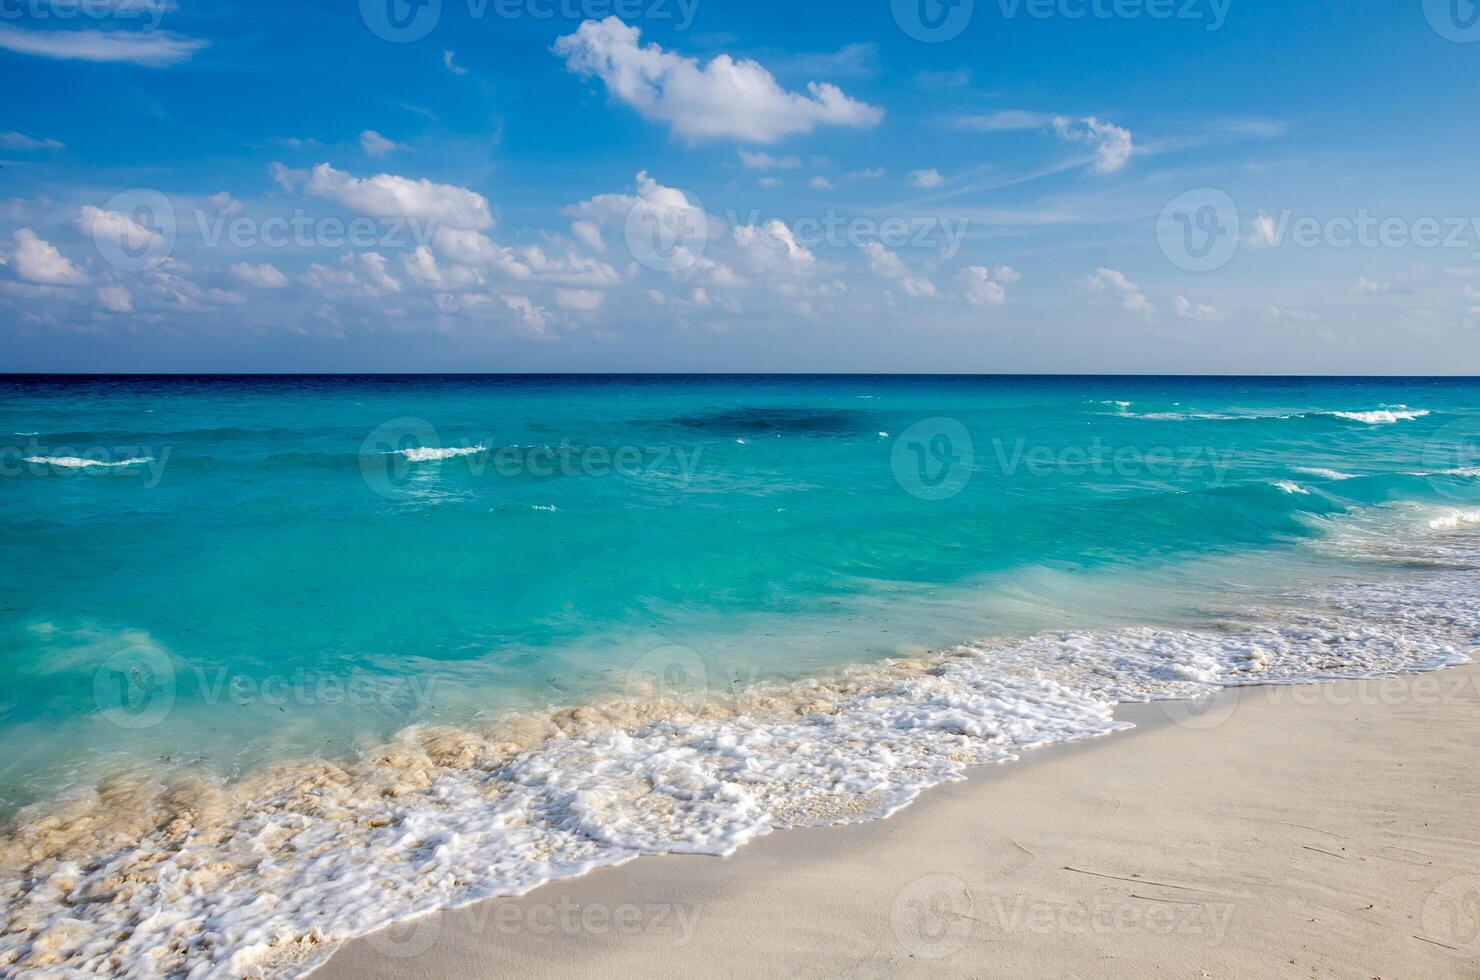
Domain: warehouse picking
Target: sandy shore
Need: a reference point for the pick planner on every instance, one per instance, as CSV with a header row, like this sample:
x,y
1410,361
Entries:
x,y
1329,830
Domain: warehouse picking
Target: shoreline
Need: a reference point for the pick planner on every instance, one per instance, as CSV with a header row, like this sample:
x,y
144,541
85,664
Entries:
x,y
1290,830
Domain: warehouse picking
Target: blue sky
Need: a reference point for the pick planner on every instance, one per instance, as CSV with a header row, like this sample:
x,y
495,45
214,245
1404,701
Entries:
x,y
1034,185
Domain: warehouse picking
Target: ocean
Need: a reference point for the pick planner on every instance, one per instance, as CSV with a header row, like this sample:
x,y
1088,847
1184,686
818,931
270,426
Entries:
x,y
288,658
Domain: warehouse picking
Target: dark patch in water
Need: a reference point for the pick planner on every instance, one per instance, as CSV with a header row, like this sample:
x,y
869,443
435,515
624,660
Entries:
x,y
785,421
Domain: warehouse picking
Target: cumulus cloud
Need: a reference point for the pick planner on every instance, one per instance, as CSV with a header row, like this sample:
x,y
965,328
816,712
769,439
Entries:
x,y
1116,284
589,234
926,178
772,248
37,261
723,99
117,230
883,262
390,196
978,287
1189,310
263,275
917,286
1113,144
820,183
115,299
151,49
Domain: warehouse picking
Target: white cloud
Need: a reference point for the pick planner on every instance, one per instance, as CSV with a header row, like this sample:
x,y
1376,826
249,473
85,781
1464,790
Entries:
x,y
926,178
589,233
117,230
263,275
152,49
534,319
820,183
773,248
20,141
657,205
1130,295
979,289
225,204
376,145
1113,144
764,161
1277,315
37,260
769,181
724,99
386,196
374,266
115,299
883,262
1265,234
871,173
1007,273
1189,310
918,286
1370,287
579,300
447,63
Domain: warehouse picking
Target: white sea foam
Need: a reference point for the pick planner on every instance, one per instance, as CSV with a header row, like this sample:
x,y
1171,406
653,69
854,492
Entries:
x,y
148,877
78,462
1382,416
428,454
1290,486
1324,473
1455,519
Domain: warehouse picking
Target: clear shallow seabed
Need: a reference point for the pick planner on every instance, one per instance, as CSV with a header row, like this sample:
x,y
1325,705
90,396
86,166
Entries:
x,y
285,659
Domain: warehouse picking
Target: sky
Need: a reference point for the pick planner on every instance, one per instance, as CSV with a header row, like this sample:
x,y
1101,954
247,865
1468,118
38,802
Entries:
x,y
992,186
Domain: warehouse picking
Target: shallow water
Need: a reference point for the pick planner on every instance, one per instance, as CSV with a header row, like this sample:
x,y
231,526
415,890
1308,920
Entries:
x,y
227,600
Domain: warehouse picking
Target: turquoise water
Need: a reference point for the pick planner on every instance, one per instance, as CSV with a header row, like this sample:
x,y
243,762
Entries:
x,y
287,659
295,586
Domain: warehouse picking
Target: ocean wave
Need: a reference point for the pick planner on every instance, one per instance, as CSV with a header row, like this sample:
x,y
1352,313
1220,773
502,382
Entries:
x,y
1381,416
1324,473
1290,486
77,462
429,454
150,875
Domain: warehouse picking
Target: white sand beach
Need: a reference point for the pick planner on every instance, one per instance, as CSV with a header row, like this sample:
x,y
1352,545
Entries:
x,y
1322,830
